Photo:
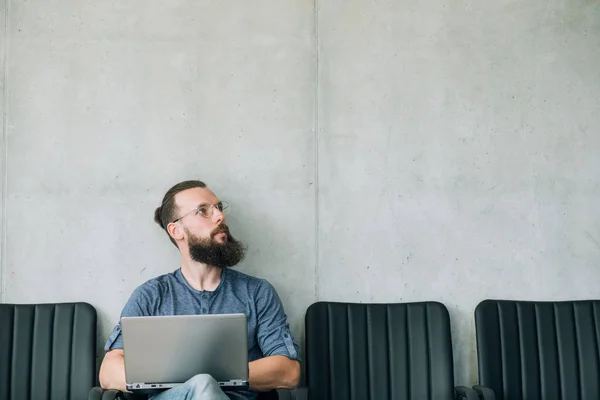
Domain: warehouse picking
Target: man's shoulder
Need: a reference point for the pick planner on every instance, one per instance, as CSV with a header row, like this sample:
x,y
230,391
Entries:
x,y
252,283
234,274
237,278
158,283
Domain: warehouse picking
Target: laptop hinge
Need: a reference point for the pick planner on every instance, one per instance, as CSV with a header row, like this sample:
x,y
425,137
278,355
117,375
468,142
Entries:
x,y
233,382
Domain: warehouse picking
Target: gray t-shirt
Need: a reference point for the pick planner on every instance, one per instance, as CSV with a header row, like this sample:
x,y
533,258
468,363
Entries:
x,y
170,294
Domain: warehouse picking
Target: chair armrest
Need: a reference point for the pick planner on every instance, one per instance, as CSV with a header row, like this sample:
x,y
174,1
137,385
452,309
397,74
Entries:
x,y
98,393
299,393
465,393
485,393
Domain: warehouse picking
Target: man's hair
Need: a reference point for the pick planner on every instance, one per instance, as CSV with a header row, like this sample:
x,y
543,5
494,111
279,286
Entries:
x,y
165,214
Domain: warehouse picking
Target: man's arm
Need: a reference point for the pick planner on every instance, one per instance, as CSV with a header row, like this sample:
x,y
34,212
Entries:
x,y
274,372
112,371
280,366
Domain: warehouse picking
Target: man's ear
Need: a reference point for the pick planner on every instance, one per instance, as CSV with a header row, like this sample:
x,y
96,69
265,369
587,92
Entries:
x,y
175,231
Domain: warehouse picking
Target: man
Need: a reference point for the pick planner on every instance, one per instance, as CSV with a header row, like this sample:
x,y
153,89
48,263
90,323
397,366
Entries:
x,y
192,216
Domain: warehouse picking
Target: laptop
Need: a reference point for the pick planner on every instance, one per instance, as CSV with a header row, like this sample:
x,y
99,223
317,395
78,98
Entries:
x,y
164,352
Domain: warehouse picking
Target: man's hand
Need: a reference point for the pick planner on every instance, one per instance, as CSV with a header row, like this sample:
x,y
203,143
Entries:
x,y
274,372
112,371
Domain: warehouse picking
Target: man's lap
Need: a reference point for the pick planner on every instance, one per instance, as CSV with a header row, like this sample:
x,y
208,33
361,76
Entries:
x,y
200,387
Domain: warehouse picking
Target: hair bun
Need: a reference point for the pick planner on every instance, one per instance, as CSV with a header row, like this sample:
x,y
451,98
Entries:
x,y
157,218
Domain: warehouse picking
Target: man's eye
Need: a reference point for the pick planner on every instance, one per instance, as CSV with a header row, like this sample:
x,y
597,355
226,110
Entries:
x,y
203,210
219,206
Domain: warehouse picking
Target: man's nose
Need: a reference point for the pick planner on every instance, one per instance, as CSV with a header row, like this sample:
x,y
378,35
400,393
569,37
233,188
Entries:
x,y
218,216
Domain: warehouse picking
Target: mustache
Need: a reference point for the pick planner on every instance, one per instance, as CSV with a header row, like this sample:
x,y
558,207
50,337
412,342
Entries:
x,y
222,228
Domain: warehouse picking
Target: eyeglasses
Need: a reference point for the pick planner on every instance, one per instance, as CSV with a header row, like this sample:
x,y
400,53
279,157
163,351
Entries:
x,y
206,210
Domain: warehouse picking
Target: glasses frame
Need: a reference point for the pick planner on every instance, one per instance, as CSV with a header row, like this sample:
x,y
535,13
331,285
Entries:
x,y
224,206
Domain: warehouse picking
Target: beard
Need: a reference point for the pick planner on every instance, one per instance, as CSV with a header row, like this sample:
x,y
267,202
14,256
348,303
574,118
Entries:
x,y
217,254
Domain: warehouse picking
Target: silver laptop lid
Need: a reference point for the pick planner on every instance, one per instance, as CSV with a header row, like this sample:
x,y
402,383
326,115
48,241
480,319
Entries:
x,y
172,349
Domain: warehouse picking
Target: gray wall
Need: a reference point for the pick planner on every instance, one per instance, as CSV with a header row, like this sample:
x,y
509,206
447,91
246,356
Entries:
x,y
371,150
3,80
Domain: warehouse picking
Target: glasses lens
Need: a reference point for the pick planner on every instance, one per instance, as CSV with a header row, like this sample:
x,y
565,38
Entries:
x,y
223,207
205,210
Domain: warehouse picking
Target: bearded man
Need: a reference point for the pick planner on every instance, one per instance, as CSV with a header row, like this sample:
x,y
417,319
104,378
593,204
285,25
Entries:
x,y
194,218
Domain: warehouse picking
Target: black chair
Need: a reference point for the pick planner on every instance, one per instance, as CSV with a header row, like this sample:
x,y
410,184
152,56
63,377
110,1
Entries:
x,y
47,351
539,350
380,352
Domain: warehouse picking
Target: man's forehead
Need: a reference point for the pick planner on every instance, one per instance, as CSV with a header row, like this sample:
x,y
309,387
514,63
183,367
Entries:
x,y
194,197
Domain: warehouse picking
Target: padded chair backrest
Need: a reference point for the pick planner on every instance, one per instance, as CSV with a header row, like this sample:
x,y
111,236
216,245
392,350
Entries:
x,y
539,350
378,351
47,351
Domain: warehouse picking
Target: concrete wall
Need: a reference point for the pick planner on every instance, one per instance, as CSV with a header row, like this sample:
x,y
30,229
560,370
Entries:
x,y
3,19
459,154
371,150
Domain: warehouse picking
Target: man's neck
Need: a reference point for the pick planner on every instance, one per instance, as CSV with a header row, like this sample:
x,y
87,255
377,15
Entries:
x,y
201,276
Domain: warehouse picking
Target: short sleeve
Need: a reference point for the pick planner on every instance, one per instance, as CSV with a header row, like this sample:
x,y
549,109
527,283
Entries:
x,y
273,332
138,305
